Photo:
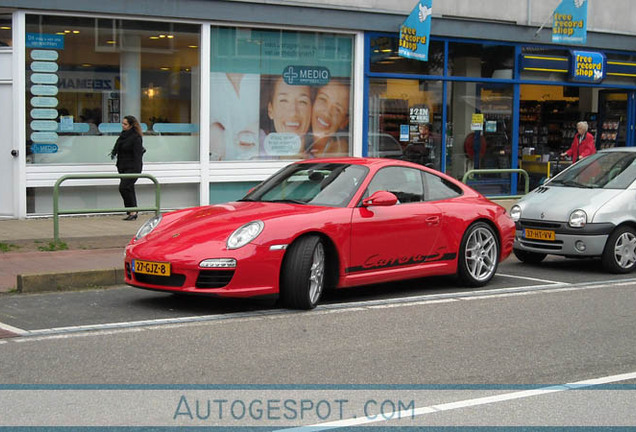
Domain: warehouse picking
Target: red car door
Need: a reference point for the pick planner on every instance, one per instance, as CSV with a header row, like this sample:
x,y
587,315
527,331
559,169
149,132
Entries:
x,y
392,242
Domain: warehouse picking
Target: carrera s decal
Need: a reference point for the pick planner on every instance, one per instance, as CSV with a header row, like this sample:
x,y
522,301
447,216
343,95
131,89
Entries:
x,y
379,262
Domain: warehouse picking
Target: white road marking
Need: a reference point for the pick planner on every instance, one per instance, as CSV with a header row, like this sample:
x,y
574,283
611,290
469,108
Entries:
x,y
12,329
466,403
428,299
527,278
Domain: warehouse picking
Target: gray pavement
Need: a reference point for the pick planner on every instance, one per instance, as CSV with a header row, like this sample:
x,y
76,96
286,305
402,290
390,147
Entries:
x,y
94,256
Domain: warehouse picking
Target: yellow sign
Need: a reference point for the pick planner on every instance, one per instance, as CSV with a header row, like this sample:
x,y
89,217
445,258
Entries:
x,y
477,118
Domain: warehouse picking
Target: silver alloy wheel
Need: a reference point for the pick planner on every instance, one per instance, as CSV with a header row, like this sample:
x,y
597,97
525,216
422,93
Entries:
x,y
317,273
625,250
481,254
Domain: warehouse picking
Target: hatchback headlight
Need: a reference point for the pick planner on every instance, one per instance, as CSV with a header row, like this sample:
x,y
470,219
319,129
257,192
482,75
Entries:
x,y
515,213
578,219
148,227
245,234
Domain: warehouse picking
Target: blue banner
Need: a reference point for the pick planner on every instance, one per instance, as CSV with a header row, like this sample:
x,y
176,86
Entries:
x,y
570,22
415,31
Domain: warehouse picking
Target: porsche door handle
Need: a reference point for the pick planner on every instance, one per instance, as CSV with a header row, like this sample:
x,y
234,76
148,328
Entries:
x,y
432,220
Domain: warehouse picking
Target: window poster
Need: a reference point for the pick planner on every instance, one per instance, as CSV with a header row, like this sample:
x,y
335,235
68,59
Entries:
x,y
289,100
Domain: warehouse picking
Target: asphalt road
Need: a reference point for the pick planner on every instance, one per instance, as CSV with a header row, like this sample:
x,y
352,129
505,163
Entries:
x,y
496,354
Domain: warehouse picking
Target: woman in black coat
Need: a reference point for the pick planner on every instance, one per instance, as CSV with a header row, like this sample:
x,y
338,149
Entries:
x,y
129,151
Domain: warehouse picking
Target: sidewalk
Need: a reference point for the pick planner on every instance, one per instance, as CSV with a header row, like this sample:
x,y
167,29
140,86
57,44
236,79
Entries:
x,y
94,257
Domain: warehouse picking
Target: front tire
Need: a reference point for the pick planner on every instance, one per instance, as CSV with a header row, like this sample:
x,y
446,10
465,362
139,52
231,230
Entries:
x,y
619,255
529,257
478,255
303,275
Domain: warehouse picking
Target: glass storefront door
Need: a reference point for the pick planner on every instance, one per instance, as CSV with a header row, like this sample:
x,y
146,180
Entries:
x,y
494,142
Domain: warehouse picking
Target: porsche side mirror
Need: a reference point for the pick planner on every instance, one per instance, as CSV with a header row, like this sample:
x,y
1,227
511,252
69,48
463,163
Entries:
x,y
380,198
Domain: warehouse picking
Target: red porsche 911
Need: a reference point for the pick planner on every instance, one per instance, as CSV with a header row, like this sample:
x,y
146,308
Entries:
x,y
324,223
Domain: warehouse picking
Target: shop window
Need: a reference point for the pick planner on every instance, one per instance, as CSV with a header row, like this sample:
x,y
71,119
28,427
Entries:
x,y
489,148
480,60
278,94
85,74
6,34
405,120
384,58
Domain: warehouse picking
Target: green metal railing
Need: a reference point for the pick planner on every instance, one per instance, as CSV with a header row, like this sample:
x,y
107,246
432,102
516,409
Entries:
x,y
471,174
56,198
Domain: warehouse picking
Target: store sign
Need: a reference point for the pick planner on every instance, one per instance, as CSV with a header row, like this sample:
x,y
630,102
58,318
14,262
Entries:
x,y
570,22
306,75
587,66
44,148
477,122
415,32
47,41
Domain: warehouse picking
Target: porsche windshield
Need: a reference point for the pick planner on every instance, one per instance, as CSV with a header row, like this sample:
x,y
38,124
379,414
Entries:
x,y
606,170
324,184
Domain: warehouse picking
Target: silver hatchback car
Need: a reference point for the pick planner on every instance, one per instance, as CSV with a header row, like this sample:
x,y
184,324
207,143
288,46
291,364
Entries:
x,y
588,210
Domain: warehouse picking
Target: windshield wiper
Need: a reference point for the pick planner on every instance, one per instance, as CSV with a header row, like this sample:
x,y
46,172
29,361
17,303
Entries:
x,y
577,184
293,201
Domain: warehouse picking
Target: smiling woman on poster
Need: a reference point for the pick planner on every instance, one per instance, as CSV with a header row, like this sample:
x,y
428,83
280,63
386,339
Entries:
x,y
285,117
329,120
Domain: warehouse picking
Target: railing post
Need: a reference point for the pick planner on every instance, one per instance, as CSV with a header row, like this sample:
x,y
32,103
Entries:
x,y
523,172
56,197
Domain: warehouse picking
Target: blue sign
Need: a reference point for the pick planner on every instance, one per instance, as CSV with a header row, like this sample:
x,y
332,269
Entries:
x,y
44,148
306,75
570,22
415,31
587,66
48,41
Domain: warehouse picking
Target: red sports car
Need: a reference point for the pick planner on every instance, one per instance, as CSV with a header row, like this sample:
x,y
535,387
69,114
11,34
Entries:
x,y
324,223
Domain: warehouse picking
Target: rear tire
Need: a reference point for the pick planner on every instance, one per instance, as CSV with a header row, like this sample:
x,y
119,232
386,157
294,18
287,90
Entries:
x,y
303,275
529,257
619,255
478,255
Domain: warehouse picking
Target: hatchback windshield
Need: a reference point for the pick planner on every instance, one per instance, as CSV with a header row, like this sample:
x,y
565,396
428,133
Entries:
x,y
324,184
607,170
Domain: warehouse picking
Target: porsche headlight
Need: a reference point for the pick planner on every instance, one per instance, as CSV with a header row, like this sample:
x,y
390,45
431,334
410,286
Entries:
x,y
578,219
245,234
148,227
515,213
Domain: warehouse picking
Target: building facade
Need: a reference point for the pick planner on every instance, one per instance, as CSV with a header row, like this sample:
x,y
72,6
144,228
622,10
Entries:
x,y
228,92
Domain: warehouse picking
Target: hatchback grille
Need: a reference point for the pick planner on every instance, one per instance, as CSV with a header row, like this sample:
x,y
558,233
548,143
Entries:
x,y
527,223
174,280
544,245
214,278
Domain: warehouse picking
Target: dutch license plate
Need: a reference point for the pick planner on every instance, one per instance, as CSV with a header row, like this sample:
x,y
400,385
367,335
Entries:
x,y
151,267
537,234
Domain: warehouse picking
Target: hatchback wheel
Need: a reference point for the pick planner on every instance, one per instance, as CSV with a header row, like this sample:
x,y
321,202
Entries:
x,y
303,276
478,255
619,255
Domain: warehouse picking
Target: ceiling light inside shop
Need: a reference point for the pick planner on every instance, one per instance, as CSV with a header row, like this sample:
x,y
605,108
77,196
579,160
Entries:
x,y
76,31
154,37
193,46
111,42
5,28
170,36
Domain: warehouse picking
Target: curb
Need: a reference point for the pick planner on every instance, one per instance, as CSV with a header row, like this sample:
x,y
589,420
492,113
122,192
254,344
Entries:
x,y
69,281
